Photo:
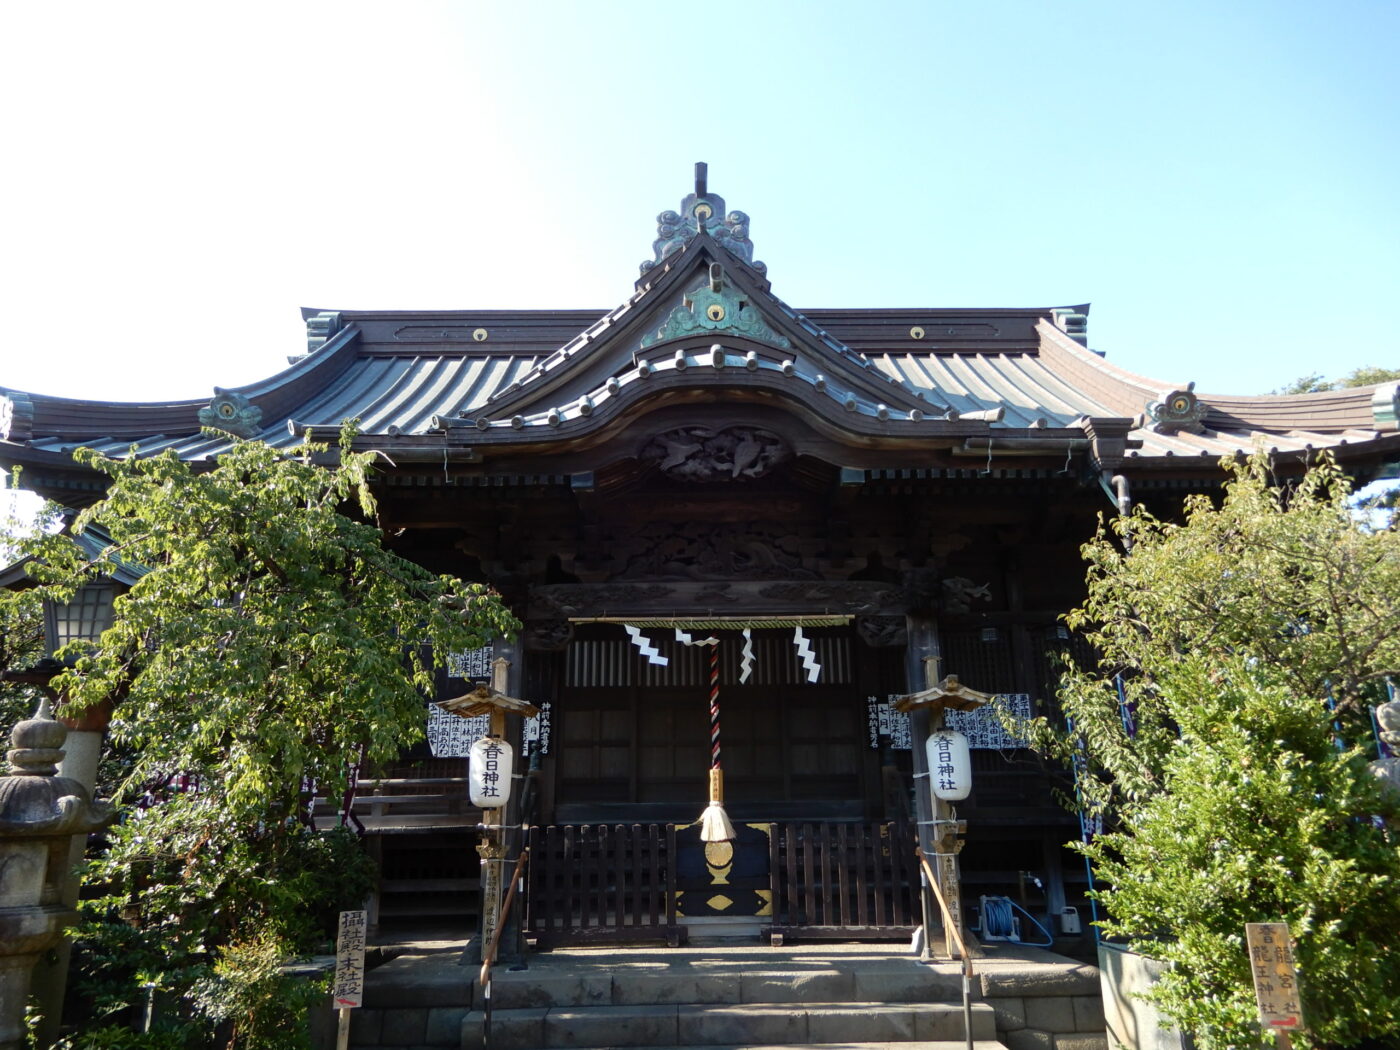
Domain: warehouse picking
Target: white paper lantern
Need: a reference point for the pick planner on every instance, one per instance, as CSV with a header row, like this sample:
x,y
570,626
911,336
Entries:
x,y
489,767
949,765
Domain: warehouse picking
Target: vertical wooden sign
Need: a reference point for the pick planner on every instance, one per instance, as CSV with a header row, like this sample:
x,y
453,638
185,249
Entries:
x,y
491,849
492,892
348,988
952,889
1275,977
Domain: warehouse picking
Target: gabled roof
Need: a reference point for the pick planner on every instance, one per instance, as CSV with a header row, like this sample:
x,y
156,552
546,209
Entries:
x,y
94,542
704,324
705,319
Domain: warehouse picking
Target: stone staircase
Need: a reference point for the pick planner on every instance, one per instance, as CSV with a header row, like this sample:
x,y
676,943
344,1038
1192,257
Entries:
x,y
744,995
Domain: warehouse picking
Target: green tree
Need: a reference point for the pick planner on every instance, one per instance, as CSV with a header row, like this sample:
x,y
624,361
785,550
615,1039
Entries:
x,y
24,539
1368,375
273,647
1249,641
21,646
1315,382
1312,383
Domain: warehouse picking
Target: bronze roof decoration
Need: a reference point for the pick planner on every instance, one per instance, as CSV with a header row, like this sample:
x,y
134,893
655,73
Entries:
x,y
321,325
231,411
702,211
714,306
1385,406
16,416
1177,411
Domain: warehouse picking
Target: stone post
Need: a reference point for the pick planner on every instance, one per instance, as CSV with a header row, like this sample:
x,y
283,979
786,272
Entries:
x,y
82,751
1388,721
40,812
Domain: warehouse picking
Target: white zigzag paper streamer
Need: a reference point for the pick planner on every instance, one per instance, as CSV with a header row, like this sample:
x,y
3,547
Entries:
x,y
651,652
685,639
746,657
805,653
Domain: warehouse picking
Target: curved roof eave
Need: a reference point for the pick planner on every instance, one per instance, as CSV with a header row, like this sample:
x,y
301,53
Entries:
x,y
74,421
1227,424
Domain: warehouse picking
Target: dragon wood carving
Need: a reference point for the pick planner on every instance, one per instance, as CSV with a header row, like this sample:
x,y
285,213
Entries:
x,y
708,552
702,454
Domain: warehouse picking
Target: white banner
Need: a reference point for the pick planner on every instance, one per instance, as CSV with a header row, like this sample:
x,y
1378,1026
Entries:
x,y
981,727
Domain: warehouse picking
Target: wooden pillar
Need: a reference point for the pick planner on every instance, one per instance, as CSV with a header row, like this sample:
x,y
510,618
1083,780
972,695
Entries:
x,y
923,650
500,848
1023,665
492,846
946,841
1054,881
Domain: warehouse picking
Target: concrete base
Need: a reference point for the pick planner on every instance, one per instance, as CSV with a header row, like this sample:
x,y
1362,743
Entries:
x,y
734,994
705,927
1130,1021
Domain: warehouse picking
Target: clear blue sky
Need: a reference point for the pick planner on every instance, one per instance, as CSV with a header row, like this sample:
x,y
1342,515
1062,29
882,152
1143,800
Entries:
x,y
1218,179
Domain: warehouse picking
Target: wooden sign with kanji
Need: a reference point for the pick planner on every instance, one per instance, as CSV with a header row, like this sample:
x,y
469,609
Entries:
x,y
348,989
1275,976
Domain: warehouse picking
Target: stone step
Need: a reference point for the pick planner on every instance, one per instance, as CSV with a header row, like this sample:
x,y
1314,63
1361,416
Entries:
x,y
728,1024
937,1044
909,983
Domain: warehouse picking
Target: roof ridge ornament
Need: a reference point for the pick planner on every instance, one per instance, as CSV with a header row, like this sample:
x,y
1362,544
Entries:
x,y
1074,322
715,305
320,327
702,210
232,412
1385,407
16,416
1177,410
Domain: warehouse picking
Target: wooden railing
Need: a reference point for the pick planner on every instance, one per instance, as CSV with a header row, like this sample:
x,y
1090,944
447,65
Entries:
x,y
488,957
604,883
953,927
851,881
404,804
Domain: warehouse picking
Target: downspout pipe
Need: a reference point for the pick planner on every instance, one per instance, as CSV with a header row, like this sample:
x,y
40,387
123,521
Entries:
x,y
1122,497
1125,499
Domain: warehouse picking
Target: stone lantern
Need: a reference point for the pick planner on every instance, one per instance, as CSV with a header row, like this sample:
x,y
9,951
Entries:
x,y
40,812
1388,723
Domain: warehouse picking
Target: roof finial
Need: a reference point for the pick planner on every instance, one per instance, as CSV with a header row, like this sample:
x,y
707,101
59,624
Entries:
x,y
703,212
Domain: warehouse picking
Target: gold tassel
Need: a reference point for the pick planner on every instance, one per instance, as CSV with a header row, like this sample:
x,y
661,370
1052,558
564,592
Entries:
x,y
714,822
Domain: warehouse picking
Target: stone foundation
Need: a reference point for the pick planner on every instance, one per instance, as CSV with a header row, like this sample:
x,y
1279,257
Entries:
x,y
1024,998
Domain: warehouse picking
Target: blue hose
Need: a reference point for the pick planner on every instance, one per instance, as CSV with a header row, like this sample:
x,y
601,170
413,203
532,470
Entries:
x,y
997,921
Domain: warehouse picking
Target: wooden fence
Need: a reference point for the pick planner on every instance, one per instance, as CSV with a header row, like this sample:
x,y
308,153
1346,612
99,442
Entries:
x,y
601,883
844,881
616,883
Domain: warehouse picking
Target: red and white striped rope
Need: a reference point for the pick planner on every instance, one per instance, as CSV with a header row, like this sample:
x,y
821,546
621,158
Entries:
x,y
714,707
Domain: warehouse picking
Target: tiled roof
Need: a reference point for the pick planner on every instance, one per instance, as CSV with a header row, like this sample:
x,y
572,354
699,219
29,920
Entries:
x,y
396,389
530,377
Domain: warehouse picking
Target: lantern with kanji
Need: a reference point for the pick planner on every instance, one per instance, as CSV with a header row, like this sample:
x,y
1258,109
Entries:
x,y
949,765
490,764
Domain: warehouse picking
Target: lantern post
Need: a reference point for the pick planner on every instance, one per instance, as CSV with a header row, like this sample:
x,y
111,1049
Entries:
x,y
490,774
83,618
949,775
1387,724
41,813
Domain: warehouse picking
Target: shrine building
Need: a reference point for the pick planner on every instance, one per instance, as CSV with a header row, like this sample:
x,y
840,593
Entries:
x,y
852,503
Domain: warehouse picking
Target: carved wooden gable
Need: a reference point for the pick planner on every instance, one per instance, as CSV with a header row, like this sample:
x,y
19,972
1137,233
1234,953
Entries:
x,y
705,327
